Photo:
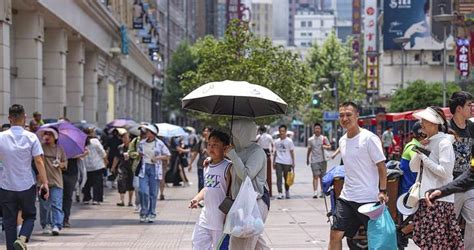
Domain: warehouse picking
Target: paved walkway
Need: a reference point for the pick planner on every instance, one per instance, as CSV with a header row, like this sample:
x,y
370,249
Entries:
x,y
297,223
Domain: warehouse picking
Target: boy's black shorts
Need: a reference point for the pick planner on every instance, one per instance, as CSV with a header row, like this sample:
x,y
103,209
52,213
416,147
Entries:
x,y
347,218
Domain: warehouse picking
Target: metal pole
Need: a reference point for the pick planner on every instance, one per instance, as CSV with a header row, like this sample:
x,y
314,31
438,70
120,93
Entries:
x,y
444,65
403,67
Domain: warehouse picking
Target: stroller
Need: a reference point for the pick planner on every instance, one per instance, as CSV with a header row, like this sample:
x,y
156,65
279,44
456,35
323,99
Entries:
x,y
333,182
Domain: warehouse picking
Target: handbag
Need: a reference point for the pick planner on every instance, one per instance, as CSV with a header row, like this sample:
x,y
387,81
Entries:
x,y
290,178
226,204
414,192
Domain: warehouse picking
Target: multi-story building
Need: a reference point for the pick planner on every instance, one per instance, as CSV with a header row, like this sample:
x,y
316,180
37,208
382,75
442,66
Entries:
x,y
206,18
311,27
72,58
281,9
296,6
343,13
221,18
262,18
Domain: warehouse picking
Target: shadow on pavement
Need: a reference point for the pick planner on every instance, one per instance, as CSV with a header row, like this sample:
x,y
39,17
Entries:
x,y
91,223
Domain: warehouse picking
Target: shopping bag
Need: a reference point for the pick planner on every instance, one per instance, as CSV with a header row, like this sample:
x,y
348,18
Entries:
x,y
381,232
290,178
244,219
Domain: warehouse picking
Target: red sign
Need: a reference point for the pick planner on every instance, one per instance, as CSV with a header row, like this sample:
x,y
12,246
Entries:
x,y
462,56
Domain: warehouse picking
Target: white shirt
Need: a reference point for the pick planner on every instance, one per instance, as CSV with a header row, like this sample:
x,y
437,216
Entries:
x,y
316,146
159,149
387,138
265,140
17,149
215,188
94,160
283,151
438,167
361,154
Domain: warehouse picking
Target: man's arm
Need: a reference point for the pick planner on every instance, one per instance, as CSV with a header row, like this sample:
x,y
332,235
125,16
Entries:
x,y
251,168
382,181
308,153
292,152
463,183
42,178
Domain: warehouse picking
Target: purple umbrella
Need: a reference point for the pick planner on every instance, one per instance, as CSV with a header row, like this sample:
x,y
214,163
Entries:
x,y
71,139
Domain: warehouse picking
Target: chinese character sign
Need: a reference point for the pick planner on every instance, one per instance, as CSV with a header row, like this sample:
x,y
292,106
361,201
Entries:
x,y
356,16
462,56
370,27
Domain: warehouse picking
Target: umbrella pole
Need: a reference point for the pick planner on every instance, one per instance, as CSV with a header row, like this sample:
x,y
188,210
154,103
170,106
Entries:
x,y
232,121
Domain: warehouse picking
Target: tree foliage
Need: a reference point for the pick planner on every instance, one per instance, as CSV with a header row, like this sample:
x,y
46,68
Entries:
x,y
420,94
181,61
333,55
241,56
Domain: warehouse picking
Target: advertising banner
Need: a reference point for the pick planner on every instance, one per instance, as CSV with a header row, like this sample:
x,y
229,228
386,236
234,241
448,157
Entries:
x,y
413,19
370,25
462,56
356,17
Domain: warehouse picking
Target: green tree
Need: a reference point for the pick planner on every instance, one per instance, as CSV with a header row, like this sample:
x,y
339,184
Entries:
x,y
420,94
241,56
322,61
181,61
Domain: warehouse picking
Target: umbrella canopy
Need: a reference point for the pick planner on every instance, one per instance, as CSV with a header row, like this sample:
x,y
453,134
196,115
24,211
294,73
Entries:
x,y
71,139
170,130
120,123
135,129
234,98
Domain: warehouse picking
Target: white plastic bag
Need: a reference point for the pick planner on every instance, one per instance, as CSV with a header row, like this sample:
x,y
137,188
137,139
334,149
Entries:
x,y
244,219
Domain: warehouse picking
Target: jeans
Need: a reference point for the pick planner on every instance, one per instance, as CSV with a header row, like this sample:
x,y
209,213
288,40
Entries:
x,y
94,181
200,172
148,189
51,210
69,183
282,171
11,203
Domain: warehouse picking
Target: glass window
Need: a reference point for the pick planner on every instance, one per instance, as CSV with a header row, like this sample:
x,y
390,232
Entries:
x,y
310,23
303,23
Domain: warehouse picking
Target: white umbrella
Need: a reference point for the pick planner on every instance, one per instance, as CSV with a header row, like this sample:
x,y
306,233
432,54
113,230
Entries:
x,y
170,130
234,98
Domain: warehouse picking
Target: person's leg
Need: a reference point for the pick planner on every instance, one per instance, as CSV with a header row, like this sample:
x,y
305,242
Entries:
x,y
216,236
130,197
86,190
56,199
97,185
202,239
153,185
467,213
144,195
9,208
164,168
286,169
27,200
69,182
279,174
44,209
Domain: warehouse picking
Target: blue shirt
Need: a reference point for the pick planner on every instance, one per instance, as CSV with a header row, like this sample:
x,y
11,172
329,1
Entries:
x,y
17,149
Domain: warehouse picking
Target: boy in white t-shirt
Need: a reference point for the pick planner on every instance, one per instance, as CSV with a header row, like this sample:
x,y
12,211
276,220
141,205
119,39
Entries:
x,y
209,227
283,160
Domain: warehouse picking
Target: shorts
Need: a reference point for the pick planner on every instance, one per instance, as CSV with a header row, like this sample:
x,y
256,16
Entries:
x,y
319,168
347,218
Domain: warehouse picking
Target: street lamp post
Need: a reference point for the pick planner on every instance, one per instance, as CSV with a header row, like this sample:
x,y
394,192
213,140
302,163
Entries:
x,y
335,74
445,20
353,66
402,41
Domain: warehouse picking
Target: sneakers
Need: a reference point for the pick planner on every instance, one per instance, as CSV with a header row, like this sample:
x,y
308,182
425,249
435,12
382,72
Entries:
x,y
55,231
47,229
143,219
86,202
95,203
321,195
162,197
280,196
287,194
137,209
151,218
66,223
20,243
315,196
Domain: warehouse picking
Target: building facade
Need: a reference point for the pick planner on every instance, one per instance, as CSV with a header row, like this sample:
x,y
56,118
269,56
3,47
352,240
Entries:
x,y
312,27
73,58
262,18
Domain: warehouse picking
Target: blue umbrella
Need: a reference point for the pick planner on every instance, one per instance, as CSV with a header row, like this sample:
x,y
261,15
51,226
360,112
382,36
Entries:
x,y
71,139
170,130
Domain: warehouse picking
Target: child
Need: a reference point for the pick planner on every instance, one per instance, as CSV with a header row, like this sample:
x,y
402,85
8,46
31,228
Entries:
x,y
208,229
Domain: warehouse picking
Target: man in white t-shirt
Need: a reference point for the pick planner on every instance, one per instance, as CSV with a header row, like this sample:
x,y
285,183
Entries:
x,y
316,146
283,160
365,178
387,140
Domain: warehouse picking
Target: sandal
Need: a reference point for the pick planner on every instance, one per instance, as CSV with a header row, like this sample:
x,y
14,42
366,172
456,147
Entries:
x,y
120,204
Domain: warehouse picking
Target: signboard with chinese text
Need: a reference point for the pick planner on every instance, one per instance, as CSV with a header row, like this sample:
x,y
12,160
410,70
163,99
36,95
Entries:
x,y
370,26
356,17
372,74
462,56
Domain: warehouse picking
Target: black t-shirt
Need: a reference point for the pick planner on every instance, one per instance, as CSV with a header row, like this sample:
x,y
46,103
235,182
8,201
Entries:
x,y
463,148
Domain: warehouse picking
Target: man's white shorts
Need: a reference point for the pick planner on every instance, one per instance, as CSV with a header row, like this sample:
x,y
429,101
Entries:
x,y
205,239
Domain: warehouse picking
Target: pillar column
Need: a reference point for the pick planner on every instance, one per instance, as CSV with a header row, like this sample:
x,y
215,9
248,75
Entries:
x,y
28,43
130,98
103,101
54,70
75,80
136,100
91,88
123,98
142,100
5,92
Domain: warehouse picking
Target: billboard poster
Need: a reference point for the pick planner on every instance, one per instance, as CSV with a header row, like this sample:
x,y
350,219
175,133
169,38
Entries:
x,y
370,27
412,19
